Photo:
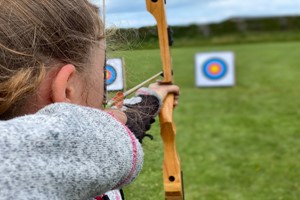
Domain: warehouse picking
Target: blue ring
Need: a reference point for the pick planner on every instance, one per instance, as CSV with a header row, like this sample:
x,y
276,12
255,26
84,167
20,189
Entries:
x,y
220,75
113,73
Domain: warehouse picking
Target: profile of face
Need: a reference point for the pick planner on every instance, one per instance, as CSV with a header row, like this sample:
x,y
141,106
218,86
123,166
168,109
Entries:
x,y
93,91
69,85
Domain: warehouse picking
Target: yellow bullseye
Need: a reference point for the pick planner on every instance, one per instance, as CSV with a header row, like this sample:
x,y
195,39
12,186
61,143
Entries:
x,y
108,74
214,69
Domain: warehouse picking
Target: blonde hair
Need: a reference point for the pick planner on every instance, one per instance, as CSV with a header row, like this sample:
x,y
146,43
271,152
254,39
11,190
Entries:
x,y
38,34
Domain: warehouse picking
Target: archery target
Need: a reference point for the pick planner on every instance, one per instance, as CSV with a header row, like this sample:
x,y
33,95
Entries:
x,y
115,78
111,74
214,69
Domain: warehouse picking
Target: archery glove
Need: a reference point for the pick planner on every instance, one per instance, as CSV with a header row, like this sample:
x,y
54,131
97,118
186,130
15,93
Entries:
x,y
140,112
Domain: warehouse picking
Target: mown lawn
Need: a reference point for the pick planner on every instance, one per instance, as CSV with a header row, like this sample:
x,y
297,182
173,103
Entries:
x,y
237,143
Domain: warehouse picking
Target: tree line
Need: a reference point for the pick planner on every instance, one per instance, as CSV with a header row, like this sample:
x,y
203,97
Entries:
x,y
234,30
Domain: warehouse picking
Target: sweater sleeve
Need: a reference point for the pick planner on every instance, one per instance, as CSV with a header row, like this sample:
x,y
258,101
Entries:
x,y
66,152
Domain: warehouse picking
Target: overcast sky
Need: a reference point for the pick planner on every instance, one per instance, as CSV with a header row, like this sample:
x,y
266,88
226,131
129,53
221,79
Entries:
x,y
132,13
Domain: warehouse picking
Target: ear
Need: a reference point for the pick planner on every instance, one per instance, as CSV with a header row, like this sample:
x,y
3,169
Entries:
x,y
63,85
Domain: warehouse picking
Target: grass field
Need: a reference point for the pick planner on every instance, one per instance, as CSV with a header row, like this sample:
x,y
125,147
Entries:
x,y
237,143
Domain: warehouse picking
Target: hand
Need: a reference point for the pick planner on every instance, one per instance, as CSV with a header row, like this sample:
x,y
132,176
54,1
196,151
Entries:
x,y
163,90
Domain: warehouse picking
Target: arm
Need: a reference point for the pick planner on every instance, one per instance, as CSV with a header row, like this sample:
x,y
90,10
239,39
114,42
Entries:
x,y
142,109
66,152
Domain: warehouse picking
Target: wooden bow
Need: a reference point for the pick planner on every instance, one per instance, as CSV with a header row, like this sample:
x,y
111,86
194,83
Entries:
x,y
172,176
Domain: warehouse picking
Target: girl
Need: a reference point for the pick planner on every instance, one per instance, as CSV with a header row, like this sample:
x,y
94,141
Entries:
x,y
56,139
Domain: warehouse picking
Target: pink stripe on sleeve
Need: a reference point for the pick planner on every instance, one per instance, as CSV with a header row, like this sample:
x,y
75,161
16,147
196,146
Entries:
x,y
134,159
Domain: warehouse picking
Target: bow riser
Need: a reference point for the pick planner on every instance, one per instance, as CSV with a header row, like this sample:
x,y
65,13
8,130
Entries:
x,y
171,168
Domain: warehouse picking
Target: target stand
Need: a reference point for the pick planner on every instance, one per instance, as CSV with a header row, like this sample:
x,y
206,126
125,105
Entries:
x,y
115,74
214,69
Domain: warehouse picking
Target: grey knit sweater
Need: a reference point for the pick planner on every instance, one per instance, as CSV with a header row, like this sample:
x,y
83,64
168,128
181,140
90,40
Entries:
x,y
66,152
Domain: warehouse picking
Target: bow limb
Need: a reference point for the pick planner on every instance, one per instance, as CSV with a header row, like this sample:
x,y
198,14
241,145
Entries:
x,y
172,176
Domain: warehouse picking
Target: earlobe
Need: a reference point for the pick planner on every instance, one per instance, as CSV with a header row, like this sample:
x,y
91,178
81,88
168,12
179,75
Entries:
x,y
62,85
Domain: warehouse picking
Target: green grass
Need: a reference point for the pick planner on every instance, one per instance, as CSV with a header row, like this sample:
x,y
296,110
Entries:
x,y
237,143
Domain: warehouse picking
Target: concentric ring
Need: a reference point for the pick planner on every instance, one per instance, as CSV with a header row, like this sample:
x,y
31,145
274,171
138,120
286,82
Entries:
x,y
214,68
111,74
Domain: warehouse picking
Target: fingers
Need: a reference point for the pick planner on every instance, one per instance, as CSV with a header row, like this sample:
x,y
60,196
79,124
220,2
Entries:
x,y
176,100
175,90
162,90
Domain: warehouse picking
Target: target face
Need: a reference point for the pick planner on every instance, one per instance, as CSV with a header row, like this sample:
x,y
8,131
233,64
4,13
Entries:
x,y
115,76
111,74
214,69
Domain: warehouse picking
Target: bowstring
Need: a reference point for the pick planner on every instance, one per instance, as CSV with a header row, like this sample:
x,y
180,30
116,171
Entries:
x,y
105,92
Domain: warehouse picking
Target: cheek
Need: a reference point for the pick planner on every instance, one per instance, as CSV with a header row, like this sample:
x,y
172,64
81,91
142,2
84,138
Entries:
x,y
96,89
